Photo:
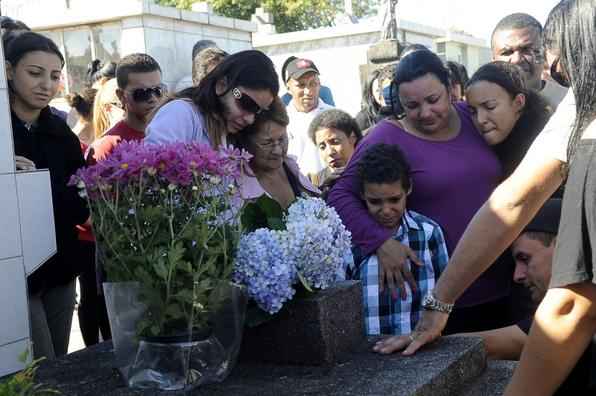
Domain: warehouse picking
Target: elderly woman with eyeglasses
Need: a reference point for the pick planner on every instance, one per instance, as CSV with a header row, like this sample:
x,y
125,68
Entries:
x,y
226,101
272,172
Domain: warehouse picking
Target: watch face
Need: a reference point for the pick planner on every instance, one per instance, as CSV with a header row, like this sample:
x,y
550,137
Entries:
x,y
427,301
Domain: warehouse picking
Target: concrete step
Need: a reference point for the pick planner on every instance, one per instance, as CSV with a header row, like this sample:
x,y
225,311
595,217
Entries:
x,y
493,381
439,370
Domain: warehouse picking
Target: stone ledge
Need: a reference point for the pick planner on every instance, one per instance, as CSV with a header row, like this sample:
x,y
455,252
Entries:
x,y
192,16
168,12
221,21
247,26
493,381
438,370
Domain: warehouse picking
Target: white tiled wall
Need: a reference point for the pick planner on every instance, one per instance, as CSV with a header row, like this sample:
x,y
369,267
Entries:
x,y
14,311
12,351
10,241
36,214
6,146
6,151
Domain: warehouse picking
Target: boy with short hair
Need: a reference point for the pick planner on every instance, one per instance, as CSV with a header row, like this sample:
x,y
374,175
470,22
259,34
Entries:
x,y
384,178
140,91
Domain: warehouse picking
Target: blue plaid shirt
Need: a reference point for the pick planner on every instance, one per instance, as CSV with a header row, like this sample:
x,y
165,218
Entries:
x,y
382,313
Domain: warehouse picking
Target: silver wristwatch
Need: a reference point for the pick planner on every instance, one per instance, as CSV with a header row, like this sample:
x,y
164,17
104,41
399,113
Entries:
x,y
431,303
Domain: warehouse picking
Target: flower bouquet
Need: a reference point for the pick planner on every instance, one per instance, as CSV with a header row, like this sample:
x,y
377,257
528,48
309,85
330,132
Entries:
x,y
166,218
307,246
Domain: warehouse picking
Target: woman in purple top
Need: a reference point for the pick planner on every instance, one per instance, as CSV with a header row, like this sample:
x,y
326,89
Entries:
x,y
453,174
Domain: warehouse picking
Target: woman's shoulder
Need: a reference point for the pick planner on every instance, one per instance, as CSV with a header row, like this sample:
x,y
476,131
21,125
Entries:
x,y
383,131
179,120
178,107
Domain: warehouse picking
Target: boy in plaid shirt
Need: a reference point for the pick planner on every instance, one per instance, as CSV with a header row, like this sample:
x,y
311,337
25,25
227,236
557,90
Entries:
x,y
384,178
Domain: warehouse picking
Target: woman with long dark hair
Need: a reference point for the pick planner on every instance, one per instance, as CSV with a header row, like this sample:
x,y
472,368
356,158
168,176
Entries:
x,y
566,319
43,140
226,101
507,114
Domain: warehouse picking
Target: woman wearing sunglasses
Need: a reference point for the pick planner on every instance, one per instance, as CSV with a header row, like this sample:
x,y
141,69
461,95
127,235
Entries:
x,y
43,140
226,101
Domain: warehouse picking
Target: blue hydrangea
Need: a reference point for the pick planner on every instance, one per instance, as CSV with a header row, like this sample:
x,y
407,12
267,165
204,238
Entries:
x,y
317,242
264,269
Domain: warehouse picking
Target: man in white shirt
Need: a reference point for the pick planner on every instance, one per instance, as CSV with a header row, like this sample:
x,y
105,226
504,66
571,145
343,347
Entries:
x,y
304,85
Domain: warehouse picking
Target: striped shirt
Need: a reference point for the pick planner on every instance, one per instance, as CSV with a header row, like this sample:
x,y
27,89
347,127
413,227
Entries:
x,y
384,314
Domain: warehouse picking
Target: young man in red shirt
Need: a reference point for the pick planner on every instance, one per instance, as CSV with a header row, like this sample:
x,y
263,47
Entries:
x,y
140,91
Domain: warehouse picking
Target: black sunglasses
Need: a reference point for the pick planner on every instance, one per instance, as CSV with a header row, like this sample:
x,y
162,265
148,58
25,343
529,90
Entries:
x,y
558,76
144,94
247,103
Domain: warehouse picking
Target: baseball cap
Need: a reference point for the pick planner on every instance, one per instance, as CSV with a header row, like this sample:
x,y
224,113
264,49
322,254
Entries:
x,y
299,67
547,219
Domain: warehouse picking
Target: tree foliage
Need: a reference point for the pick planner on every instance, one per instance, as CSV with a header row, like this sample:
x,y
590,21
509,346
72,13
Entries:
x,y
288,15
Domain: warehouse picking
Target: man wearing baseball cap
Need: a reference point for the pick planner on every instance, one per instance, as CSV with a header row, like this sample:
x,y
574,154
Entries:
x,y
304,85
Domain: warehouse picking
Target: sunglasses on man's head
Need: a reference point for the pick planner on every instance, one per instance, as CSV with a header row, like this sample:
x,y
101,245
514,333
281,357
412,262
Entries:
x,y
247,103
144,94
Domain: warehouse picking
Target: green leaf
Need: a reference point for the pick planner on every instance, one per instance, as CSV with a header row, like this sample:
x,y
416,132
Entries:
x,y
304,282
160,269
265,212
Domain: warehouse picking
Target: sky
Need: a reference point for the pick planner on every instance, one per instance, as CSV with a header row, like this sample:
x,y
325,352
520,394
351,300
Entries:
x,y
477,17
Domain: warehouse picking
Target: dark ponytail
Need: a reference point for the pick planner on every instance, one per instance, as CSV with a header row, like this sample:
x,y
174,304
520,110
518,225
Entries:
x,y
83,102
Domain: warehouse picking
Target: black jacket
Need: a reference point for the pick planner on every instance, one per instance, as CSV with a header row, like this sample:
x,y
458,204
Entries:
x,y
51,144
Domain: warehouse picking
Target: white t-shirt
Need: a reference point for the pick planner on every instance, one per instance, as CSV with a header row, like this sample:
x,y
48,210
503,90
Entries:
x,y
552,142
299,144
177,121
553,93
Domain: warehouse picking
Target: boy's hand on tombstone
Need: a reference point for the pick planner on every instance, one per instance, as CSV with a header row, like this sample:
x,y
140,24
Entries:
x,y
393,268
429,328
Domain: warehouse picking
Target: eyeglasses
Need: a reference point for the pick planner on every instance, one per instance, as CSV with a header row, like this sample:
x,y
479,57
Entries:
x,y
247,103
269,145
559,77
144,94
